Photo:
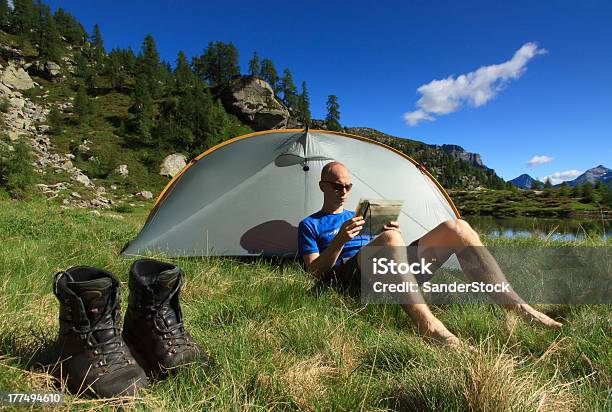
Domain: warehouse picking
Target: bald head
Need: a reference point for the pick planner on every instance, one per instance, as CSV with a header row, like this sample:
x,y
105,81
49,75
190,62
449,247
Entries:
x,y
332,170
335,184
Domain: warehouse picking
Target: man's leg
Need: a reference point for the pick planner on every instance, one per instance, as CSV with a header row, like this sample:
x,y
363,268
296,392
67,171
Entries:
x,y
426,322
456,236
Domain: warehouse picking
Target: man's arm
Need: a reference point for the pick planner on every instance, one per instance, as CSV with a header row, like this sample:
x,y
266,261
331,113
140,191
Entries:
x,y
318,264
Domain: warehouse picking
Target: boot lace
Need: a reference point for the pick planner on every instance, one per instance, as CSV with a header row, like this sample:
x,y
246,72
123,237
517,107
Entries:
x,y
112,350
175,336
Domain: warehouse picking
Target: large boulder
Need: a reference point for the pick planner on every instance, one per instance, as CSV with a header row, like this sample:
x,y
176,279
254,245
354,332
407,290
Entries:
x,y
78,176
16,78
145,194
5,91
122,170
172,164
47,70
252,100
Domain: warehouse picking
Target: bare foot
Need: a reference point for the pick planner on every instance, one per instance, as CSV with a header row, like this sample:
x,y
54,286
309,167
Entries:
x,y
436,331
443,336
535,316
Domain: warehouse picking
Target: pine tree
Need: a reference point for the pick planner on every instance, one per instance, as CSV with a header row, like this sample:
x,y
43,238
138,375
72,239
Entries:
x,y
16,172
269,74
548,183
172,130
98,46
289,90
142,108
218,64
304,105
128,60
5,15
166,74
84,71
183,74
82,106
49,42
70,28
332,120
24,17
564,189
114,70
587,193
254,67
536,185
548,187
148,67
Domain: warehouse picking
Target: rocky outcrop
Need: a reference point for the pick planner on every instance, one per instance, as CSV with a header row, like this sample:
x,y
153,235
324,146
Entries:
x,y
11,54
16,78
47,70
318,124
25,119
459,152
252,100
172,164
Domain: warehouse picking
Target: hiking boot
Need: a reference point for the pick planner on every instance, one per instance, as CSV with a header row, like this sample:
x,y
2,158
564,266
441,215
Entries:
x,y
153,327
92,354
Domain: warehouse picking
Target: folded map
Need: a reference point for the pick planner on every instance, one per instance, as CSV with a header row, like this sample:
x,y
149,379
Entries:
x,y
377,213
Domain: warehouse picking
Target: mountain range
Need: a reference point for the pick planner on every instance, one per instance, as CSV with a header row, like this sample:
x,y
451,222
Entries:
x,y
594,175
523,181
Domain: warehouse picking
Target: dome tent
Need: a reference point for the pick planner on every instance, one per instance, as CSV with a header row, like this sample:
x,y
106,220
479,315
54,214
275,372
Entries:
x,y
246,196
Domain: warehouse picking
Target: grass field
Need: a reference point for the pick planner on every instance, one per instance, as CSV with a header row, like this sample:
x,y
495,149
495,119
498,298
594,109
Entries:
x,y
507,203
279,346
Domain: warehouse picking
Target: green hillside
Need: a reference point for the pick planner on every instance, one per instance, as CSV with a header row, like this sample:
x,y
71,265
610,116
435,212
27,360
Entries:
x,y
131,108
451,172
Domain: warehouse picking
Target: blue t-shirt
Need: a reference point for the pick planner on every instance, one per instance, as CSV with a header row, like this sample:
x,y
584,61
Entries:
x,y
316,232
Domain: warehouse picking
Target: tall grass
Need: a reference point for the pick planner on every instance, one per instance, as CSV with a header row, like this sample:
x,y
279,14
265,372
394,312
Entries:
x,y
280,345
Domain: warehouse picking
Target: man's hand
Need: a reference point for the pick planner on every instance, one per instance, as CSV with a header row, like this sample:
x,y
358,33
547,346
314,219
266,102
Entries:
x,y
350,229
392,226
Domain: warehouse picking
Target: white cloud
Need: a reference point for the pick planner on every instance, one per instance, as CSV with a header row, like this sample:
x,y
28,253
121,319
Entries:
x,y
415,117
539,160
559,177
474,89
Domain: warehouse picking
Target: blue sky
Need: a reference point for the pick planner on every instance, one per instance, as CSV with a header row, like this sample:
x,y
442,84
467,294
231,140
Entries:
x,y
514,81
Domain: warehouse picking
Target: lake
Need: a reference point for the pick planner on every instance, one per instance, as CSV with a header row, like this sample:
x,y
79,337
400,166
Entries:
x,y
556,229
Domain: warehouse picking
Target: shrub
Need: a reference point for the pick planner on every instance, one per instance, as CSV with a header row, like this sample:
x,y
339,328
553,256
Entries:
x,y
16,170
4,105
606,197
32,92
123,208
56,121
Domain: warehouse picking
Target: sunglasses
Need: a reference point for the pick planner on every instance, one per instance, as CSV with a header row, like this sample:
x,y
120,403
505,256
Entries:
x,y
339,187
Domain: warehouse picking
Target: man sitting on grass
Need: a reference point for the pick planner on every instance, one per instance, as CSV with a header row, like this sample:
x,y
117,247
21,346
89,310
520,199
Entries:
x,y
329,245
